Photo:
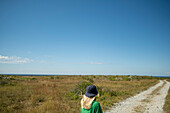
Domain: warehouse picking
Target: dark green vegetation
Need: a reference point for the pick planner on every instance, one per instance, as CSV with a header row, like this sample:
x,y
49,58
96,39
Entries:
x,y
40,94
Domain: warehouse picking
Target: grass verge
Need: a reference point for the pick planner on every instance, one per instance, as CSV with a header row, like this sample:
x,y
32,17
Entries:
x,y
167,102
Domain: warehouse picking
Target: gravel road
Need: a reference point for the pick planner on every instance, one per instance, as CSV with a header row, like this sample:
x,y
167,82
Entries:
x,y
149,101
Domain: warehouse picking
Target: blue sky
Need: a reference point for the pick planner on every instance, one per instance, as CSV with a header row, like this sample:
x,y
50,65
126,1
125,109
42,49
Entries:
x,y
85,37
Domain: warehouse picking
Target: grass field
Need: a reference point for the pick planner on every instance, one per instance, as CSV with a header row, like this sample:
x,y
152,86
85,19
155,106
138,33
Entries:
x,y
62,94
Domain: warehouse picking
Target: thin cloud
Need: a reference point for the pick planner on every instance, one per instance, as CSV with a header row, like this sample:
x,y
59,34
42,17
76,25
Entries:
x,y
91,63
97,63
14,60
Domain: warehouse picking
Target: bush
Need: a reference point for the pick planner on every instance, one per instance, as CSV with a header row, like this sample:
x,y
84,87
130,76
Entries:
x,y
51,77
54,77
79,90
3,82
12,78
33,78
7,83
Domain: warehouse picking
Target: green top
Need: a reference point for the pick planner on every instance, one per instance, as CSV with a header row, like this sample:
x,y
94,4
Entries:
x,y
95,108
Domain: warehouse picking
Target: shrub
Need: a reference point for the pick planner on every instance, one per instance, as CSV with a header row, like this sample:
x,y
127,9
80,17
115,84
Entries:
x,y
12,78
51,77
3,82
79,89
33,78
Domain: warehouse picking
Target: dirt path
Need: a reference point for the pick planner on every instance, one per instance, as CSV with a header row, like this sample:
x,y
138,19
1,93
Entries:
x,y
148,101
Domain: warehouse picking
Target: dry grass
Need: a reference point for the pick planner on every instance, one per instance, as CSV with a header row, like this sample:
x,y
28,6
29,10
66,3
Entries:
x,y
167,103
47,94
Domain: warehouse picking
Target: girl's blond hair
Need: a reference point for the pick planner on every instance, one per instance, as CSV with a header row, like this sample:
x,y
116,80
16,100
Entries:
x,y
86,102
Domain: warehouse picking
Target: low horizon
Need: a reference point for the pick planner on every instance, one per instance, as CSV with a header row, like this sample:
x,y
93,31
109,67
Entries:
x,y
33,74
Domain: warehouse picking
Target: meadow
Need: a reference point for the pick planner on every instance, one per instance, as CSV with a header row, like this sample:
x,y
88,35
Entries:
x,y
62,94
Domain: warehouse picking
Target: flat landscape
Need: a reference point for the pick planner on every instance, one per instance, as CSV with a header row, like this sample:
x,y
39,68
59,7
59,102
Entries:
x,y
59,94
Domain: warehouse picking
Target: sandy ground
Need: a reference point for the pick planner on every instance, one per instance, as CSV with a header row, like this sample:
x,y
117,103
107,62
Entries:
x,y
149,101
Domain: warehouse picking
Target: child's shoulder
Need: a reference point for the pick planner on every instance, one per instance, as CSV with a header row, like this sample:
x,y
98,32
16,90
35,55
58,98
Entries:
x,y
95,103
